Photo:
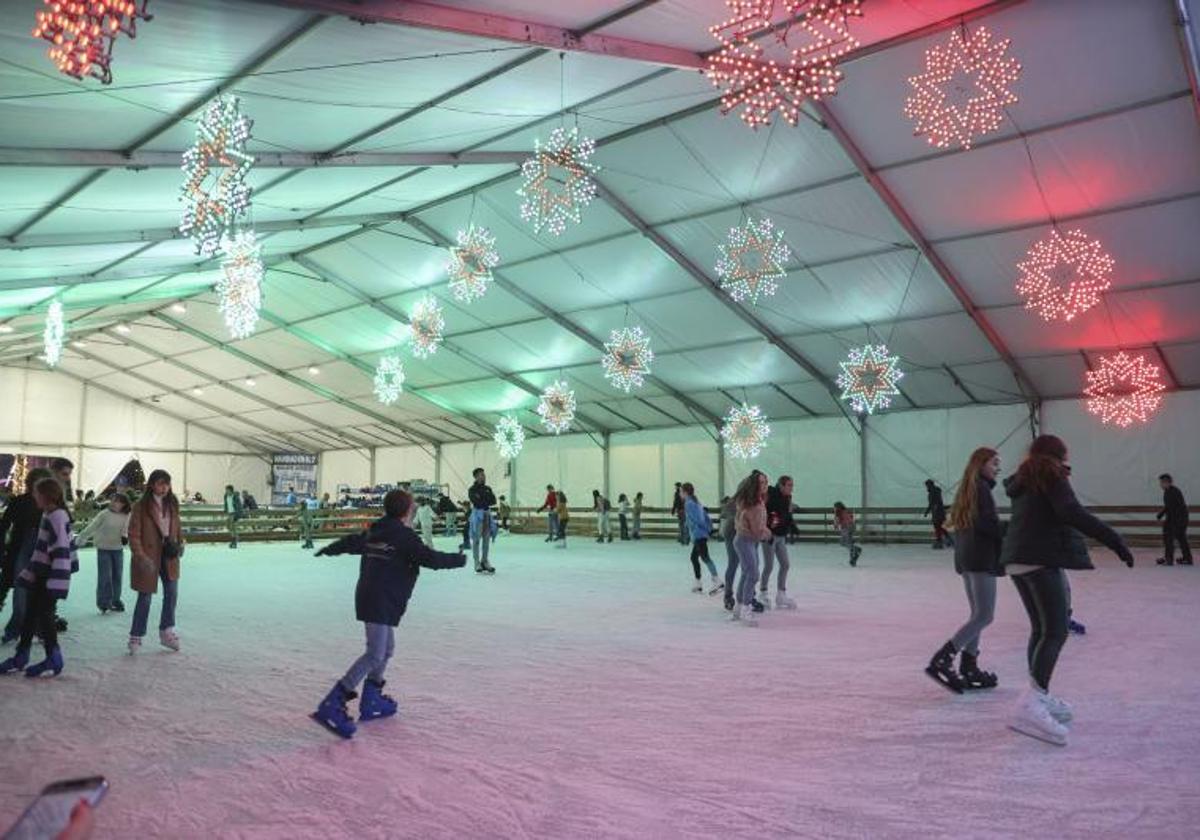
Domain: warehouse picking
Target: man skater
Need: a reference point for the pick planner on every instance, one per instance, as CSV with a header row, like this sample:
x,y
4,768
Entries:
x,y
551,508
480,525
936,509
1175,521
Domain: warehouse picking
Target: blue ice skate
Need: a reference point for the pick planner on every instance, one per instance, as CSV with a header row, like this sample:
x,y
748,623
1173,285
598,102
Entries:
x,y
16,662
375,704
332,712
53,662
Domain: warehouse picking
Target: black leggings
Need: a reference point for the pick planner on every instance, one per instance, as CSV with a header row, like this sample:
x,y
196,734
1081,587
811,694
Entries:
x,y
1047,600
40,618
699,552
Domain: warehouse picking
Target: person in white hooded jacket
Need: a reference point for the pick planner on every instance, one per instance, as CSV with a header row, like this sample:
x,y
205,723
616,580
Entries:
x,y
109,531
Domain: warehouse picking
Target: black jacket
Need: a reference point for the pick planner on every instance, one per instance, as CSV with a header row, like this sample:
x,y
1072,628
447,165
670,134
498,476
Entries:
x,y
1174,507
1045,528
18,532
779,512
935,505
392,557
481,496
978,549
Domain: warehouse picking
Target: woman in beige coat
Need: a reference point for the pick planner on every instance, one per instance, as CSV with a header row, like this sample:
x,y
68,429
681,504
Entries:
x,y
156,545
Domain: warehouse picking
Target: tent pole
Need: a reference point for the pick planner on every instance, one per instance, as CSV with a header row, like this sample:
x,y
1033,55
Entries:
x,y
605,446
862,470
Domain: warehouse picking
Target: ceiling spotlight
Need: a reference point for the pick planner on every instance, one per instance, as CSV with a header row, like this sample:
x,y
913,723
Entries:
x,y
6,328
179,307
123,329
314,370
249,382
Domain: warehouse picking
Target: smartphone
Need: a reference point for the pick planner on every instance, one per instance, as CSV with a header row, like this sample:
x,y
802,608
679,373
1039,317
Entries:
x,y
51,811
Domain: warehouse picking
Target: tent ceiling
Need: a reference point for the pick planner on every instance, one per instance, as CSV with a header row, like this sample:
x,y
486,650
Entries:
x,y
1114,146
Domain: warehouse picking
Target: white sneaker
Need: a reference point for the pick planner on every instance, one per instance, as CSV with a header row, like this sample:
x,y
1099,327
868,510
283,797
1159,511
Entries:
x,y
169,638
783,602
135,644
1032,718
1058,708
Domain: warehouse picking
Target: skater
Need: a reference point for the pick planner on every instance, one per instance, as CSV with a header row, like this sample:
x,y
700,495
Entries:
x,y
449,512
602,507
425,521
233,512
623,516
47,578
306,519
503,511
391,559
1045,538
467,509
751,527
109,529
18,538
728,530
562,516
637,515
936,509
781,524
700,529
977,559
481,526
1174,514
678,512
156,547
843,521
290,499
550,506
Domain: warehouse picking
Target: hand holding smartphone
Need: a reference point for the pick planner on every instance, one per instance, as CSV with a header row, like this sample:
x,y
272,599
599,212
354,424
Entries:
x,y
50,813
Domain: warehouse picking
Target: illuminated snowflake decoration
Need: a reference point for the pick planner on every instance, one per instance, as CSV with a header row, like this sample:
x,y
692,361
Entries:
x,y
54,334
557,181
745,431
775,54
752,260
509,437
557,407
215,192
389,379
1124,389
239,291
82,33
1064,275
471,263
964,90
869,378
627,358
426,327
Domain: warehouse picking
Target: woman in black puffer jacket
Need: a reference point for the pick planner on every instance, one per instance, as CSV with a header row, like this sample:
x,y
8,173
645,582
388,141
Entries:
x,y
1045,538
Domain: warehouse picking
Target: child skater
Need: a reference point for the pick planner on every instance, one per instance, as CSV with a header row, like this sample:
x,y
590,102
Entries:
x,y
843,521
563,517
392,557
47,578
109,529
751,527
425,521
700,528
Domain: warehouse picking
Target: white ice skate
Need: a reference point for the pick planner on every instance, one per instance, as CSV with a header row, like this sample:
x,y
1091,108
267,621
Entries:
x,y
169,638
764,598
717,587
783,602
1058,708
1032,718
135,644
697,587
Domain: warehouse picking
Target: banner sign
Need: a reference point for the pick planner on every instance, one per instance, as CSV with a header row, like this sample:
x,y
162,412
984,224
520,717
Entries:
x,y
295,473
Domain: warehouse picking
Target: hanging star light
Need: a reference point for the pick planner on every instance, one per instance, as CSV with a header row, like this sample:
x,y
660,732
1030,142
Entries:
x,y
557,407
427,327
557,181
627,358
869,378
54,334
964,90
82,33
239,291
804,40
509,437
752,260
1125,389
745,431
389,379
215,192
471,263
1064,275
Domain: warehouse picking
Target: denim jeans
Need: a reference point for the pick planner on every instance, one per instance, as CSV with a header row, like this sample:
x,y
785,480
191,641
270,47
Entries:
x,y
624,521
20,599
480,530
747,549
381,644
775,551
552,519
108,581
731,566
603,525
141,610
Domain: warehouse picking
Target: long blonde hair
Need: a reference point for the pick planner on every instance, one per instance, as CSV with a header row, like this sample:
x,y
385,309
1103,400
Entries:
x,y
966,498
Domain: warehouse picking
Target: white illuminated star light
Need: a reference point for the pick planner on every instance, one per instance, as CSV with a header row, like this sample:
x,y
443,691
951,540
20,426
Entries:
x,y
215,192
427,326
557,181
509,437
752,260
627,358
745,431
557,407
471,263
389,379
54,334
239,291
868,378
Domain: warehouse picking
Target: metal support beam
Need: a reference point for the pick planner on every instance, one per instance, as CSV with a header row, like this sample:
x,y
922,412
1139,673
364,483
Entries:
x,y
959,383
914,233
606,448
101,159
1188,45
793,400
1166,366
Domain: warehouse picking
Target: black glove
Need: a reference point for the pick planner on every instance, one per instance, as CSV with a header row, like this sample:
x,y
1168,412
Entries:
x,y
1159,515
322,552
124,540
1126,556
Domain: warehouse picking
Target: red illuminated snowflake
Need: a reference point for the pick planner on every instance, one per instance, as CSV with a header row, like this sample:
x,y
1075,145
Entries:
x,y
1064,275
1124,389
803,41
82,32
964,90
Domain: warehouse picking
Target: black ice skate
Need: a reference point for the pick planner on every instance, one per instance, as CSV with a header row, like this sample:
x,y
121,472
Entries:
x,y
941,669
972,677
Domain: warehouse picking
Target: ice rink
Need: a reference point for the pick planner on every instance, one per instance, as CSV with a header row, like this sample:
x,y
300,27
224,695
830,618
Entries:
x,y
587,693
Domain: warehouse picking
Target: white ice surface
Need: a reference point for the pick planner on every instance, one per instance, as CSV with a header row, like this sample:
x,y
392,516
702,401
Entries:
x,y
587,694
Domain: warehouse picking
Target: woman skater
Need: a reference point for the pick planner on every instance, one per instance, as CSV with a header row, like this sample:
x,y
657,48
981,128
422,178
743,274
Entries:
x,y
700,529
775,549
109,529
157,546
1043,540
728,534
977,558
564,516
751,527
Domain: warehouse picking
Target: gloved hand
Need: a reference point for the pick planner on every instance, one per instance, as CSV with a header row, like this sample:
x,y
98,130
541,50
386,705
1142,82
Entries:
x,y
124,540
1126,556
323,551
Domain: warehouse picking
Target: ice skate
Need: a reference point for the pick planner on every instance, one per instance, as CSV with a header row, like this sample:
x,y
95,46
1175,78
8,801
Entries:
x,y
1058,708
1075,627
1163,561
744,615
374,703
169,638
135,644
1032,718
941,669
729,602
757,606
52,663
16,662
764,599
855,553
783,602
332,712
973,678
117,606
717,587
697,587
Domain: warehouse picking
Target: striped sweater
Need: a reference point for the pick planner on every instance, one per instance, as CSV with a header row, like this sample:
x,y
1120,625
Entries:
x,y
54,559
